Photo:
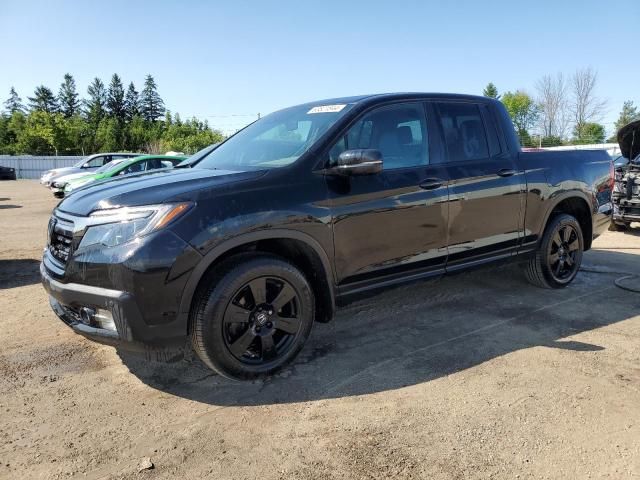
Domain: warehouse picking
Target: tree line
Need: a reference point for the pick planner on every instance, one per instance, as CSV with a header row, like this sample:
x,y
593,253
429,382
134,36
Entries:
x,y
109,118
565,110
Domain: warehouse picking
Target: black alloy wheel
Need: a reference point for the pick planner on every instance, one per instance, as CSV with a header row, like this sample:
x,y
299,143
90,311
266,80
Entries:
x,y
562,253
261,320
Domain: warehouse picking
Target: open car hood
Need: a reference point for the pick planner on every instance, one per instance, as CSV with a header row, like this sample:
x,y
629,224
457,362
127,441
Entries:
x,y
629,140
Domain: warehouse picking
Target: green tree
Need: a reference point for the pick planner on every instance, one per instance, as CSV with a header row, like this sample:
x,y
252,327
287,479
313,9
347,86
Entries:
x,y
136,134
109,135
14,102
151,105
116,99
96,103
43,100
491,91
131,101
37,137
68,97
79,136
589,133
551,141
523,111
628,114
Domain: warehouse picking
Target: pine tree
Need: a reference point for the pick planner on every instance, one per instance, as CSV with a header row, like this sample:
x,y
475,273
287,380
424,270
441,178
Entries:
x,y
43,100
96,103
491,91
131,103
14,102
628,114
151,105
115,99
68,97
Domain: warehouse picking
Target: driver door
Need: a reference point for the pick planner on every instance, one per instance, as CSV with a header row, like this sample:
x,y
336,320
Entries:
x,y
390,223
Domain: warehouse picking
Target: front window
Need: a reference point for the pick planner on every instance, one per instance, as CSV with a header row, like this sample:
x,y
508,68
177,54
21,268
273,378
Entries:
x,y
91,162
276,140
399,132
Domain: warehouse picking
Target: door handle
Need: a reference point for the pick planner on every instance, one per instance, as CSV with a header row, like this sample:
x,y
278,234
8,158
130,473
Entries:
x,y
506,172
431,183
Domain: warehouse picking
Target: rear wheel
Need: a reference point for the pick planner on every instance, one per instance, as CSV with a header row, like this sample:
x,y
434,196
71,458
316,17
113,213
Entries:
x,y
254,317
558,258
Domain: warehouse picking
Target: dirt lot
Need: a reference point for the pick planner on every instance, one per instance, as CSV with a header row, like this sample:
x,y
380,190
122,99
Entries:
x,y
474,376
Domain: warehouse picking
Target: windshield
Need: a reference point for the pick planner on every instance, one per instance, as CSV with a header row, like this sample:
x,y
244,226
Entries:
x,y
276,140
81,162
110,165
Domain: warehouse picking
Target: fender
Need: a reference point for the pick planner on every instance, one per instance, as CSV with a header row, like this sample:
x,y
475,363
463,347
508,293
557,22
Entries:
x,y
560,197
271,234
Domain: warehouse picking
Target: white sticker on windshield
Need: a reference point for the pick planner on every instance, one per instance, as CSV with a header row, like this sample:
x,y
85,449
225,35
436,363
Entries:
x,y
326,109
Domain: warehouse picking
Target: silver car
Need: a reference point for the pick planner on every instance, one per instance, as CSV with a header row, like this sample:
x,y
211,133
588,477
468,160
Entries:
x,y
86,165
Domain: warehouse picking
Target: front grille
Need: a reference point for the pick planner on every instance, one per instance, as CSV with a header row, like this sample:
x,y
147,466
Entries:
x,y
60,242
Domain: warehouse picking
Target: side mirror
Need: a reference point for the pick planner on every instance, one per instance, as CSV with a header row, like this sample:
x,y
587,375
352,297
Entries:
x,y
357,162
85,165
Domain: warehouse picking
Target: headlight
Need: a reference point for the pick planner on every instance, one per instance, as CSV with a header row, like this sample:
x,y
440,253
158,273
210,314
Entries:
x,y
58,185
121,225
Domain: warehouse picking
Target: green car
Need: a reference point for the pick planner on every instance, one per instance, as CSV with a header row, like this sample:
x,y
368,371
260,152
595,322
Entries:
x,y
125,166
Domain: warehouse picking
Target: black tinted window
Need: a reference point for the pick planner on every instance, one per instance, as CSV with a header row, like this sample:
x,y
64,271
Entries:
x,y
463,131
398,131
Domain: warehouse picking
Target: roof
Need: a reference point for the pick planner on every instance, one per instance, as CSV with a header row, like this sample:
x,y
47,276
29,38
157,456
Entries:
x,y
367,100
396,96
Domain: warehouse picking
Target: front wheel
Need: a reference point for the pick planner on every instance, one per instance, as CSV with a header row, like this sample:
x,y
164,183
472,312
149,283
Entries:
x,y
253,318
559,255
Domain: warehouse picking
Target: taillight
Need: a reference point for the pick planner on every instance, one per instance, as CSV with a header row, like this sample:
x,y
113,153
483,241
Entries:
x,y
612,174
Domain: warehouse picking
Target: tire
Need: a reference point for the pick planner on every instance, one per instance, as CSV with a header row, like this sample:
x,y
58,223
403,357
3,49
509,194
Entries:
x,y
556,262
252,317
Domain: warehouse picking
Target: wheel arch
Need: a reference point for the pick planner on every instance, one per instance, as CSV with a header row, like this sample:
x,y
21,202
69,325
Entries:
x,y
575,203
300,249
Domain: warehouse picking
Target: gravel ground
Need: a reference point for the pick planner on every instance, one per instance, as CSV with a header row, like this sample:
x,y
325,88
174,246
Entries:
x,y
474,376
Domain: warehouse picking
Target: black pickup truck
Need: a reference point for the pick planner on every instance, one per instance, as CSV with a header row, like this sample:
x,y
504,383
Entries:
x,y
243,248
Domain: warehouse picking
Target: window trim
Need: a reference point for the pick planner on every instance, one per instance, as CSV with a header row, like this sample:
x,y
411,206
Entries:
x,y
421,102
488,120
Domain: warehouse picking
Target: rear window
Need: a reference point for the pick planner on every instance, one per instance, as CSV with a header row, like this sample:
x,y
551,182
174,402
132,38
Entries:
x,y
463,131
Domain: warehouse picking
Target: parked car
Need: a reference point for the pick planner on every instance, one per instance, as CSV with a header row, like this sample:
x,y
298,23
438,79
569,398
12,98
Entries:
x,y
261,237
626,193
143,163
7,173
86,165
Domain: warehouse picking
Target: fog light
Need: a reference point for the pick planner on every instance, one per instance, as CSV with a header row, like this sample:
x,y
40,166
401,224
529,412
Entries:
x,y
86,315
104,319
99,318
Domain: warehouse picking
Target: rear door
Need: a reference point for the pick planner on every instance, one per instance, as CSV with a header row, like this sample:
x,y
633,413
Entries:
x,y
394,222
486,190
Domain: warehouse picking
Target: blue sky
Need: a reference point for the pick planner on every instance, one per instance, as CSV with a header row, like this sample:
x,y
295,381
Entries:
x,y
215,59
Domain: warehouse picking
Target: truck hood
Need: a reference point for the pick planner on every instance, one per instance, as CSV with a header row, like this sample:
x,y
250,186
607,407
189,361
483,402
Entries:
x,y
629,140
148,188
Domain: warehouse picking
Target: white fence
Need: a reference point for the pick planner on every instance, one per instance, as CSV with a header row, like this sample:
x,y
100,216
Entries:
x,y
29,166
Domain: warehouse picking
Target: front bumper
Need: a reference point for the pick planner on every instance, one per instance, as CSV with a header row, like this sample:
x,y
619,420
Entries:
x,y
67,299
